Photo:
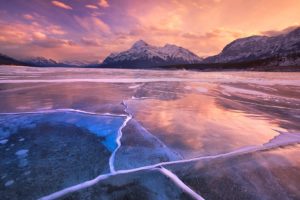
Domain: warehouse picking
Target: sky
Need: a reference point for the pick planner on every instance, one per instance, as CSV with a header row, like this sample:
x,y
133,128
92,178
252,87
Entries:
x,y
89,30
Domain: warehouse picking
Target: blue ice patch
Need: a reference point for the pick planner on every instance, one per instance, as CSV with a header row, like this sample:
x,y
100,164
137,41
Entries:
x,y
100,125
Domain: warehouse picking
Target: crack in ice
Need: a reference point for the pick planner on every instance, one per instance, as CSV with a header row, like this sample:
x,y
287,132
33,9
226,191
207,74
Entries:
x,y
294,138
283,139
63,110
180,184
118,139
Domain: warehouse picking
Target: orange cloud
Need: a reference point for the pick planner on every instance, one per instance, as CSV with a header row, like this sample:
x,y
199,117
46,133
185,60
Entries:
x,y
14,35
39,35
91,6
103,3
101,25
93,24
206,26
203,26
62,5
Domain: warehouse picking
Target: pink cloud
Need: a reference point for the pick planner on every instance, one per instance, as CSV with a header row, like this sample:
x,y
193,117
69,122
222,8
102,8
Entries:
x,y
93,24
90,41
62,5
28,16
39,35
91,6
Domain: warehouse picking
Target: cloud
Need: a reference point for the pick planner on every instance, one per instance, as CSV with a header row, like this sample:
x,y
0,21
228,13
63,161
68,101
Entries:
x,y
103,3
28,17
93,24
52,43
28,35
279,32
39,35
14,35
195,25
91,6
62,5
101,25
56,30
90,42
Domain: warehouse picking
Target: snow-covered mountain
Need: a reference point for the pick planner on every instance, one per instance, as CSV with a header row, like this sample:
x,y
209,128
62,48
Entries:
x,y
142,54
6,60
41,62
81,63
45,62
285,49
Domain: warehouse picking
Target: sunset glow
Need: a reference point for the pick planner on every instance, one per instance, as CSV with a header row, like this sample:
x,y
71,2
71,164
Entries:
x,y
92,29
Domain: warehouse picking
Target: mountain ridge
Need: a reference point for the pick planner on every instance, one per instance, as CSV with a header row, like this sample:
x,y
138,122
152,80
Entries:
x,y
7,60
143,54
249,53
261,47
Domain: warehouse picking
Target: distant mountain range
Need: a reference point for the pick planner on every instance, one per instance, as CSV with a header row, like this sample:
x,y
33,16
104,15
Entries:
x,y
43,62
280,52
283,49
142,54
6,60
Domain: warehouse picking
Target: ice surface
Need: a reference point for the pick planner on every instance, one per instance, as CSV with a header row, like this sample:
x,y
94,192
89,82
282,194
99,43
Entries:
x,y
102,126
201,89
63,147
9,183
183,135
4,141
22,153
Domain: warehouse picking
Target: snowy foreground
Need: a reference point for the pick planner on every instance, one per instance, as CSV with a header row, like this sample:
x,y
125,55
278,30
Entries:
x,y
146,134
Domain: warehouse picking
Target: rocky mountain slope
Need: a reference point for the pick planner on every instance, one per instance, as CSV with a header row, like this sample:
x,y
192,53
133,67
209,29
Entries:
x,y
44,62
282,50
142,54
6,60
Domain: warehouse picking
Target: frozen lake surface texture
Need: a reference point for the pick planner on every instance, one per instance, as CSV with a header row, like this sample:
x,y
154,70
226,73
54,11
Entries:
x,y
147,134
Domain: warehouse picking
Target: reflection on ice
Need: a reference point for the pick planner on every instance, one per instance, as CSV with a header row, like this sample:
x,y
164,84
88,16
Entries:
x,y
196,125
184,135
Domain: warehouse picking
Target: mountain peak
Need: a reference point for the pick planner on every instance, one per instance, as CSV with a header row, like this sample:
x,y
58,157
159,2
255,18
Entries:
x,y
139,44
143,54
260,47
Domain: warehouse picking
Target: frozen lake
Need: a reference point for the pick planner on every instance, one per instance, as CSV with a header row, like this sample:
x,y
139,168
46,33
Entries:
x,y
72,133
